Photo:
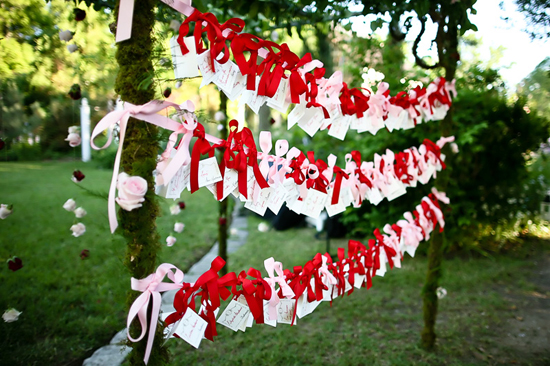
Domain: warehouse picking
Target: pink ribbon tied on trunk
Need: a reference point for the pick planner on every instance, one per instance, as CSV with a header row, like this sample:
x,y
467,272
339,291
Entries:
x,y
126,14
151,287
146,112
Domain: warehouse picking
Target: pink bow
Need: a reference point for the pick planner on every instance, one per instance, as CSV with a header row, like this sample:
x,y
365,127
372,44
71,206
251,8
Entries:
x,y
273,267
146,112
151,287
411,233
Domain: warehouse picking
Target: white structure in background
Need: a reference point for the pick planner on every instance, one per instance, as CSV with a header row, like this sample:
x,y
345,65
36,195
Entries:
x,y
85,130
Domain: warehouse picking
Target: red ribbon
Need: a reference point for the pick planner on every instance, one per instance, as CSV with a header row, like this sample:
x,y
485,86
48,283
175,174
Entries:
x,y
201,147
208,23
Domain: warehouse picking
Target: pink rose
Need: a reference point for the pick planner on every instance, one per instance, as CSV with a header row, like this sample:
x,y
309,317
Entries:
x,y
178,227
74,139
131,190
170,240
78,229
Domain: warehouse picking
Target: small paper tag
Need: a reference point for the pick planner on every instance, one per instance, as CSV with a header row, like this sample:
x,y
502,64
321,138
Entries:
x,y
339,127
286,311
304,307
342,201
375,196
314,203
191,328
209,172
425,177
208,75
377,123
230,181
239,84
358,280
260,204
184,66
279,101
225,75
311,121
327,294
295,115
179,182
267,319
396,189
362,124
277,198
383,259
233,315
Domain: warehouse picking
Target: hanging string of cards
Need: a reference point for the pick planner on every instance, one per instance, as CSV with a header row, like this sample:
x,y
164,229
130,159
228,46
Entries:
x,y
307,184
282,78
285,294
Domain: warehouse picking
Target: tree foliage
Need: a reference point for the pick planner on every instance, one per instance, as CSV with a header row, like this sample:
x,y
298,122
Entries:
x,y
537,13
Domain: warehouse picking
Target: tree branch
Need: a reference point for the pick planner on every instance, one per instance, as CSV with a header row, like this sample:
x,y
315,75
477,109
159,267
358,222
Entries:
x,y
419,61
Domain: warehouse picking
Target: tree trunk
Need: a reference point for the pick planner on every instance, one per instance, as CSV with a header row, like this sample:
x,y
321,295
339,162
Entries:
x,y
139,158
449,59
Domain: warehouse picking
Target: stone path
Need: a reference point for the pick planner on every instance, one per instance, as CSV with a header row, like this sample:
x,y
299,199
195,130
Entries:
x,y
116,351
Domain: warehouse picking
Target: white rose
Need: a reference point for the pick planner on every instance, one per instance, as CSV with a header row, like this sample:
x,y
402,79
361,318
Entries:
x,y
78,229
131,191
175,209
454,148
70,205
74,139
74,129
219,116
4,211
263,227
80,212
72,47
175,25
65,35
170,240
11,315
178,227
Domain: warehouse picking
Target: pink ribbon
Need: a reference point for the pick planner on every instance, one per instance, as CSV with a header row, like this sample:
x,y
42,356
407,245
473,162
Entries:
x,y
151,287
273,267
147,113
126,14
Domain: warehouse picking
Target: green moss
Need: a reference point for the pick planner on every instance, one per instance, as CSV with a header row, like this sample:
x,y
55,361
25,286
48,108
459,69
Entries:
x,y
139,158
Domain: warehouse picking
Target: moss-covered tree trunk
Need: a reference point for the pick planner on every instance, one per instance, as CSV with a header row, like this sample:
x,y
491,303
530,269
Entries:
x,y
448,54
139,158
223,211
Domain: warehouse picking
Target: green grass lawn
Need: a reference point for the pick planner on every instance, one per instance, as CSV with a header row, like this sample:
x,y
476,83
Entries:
x,y
380,326
72,306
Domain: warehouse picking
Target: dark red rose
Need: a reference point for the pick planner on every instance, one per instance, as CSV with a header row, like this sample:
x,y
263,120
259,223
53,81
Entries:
x,y
75,93
167,92
78,176
223,221
2,144
181,204
15,264
85,253
79,14
272,121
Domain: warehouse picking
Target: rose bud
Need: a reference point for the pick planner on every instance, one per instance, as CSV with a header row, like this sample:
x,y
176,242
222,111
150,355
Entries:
x,y
15,264
74,139
80,212
170,241
65,35
175,209
178,227
72,47
222,221
77,176
70,205
79,14
181,204
11,315
85,253
78,229
167,92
